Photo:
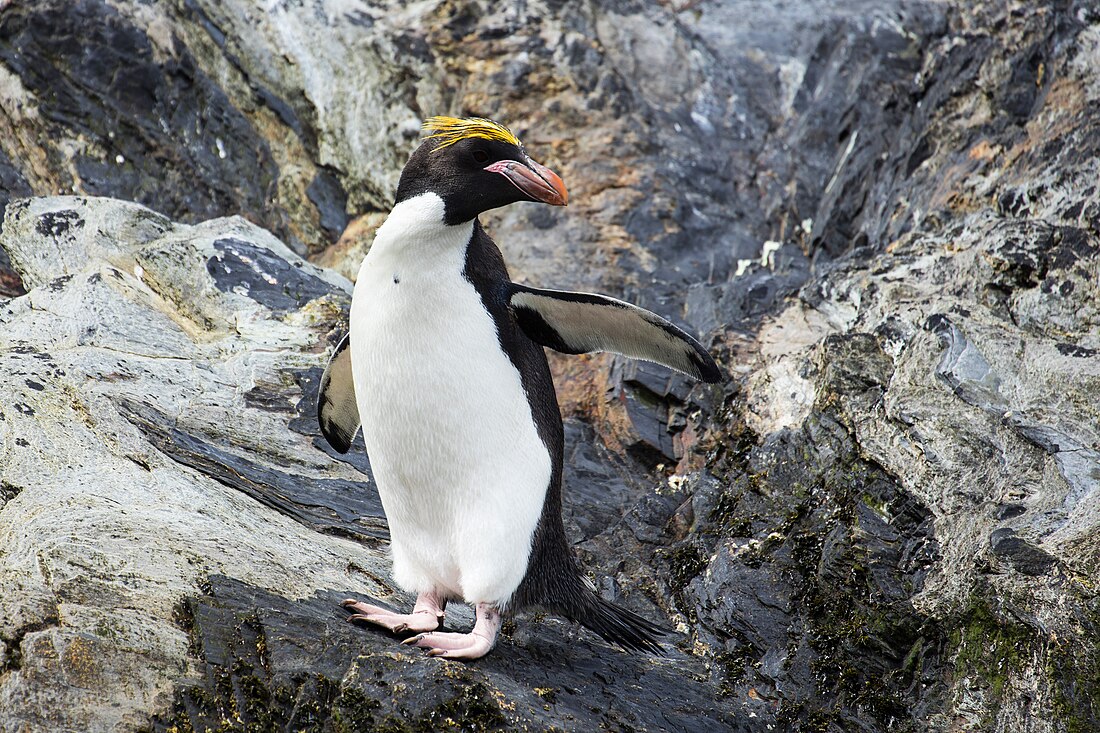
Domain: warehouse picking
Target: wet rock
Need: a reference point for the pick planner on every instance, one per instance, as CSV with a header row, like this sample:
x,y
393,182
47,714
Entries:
x,y
602,484
259,670
812,565
333,506
964,369
944,368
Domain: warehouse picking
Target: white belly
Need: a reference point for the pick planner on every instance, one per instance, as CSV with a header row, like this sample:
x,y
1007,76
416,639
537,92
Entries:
x,y
461,470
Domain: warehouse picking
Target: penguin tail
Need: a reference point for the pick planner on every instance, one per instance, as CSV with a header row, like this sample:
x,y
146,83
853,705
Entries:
x,y
620,626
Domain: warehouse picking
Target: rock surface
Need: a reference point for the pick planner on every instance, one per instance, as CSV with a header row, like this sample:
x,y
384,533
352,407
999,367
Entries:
x,y
884,217
175,531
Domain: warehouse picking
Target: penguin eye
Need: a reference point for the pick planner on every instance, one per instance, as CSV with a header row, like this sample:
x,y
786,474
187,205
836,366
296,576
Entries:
x,y
480,156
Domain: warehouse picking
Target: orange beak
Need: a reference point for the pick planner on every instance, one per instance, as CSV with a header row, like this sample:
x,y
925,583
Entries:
x,y
535,180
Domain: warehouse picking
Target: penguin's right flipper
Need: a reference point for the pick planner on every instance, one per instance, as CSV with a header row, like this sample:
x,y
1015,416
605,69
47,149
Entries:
x,y
575,323
336,409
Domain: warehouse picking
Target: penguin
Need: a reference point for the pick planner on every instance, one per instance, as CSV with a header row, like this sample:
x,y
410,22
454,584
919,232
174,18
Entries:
x,y
444,371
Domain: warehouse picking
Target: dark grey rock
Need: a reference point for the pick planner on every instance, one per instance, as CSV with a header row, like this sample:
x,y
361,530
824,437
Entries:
x,y
164,134
1021,554
335,506
261,673
266,278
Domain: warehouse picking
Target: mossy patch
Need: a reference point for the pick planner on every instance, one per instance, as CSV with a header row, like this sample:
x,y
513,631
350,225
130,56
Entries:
x,y
685,562
1074,669
990,648
835,533
472,709
735,664
994,650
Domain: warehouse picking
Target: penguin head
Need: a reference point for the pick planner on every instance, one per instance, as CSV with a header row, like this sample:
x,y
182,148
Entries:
x,y
475,165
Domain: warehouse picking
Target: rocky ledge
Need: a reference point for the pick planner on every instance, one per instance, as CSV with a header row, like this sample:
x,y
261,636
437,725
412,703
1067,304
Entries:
x,y
177,535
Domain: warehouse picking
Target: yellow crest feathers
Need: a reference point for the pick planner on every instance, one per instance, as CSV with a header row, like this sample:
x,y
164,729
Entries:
x,y
449,130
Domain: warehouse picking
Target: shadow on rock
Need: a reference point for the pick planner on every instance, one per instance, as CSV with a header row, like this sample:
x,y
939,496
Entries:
x,y
273,663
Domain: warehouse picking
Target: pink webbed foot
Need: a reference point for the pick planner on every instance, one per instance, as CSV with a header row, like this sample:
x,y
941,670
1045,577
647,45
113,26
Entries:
x,y
427,615
473,645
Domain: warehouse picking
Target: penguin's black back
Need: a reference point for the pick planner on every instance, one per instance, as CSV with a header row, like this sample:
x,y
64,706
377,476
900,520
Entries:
x,y
552,580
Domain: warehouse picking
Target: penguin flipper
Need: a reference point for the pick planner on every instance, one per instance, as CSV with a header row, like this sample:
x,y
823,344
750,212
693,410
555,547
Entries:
x,y
336,409
575,323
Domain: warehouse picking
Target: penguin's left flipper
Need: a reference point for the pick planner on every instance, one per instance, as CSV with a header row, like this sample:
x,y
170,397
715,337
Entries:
x,y
575,323
336,409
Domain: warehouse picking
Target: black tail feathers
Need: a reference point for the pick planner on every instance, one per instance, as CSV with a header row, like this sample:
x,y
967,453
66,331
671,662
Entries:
x,y
619,626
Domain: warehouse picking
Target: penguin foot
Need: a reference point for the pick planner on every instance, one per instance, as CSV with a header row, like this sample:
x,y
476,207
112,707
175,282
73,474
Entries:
x,y
473,645
427,615
398,623
452,645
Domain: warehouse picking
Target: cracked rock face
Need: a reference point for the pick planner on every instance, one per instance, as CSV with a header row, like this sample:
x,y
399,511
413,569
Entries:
x,y
883,217
105,529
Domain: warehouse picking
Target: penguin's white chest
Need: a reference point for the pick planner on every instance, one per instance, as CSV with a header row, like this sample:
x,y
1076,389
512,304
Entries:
x,y
460,467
